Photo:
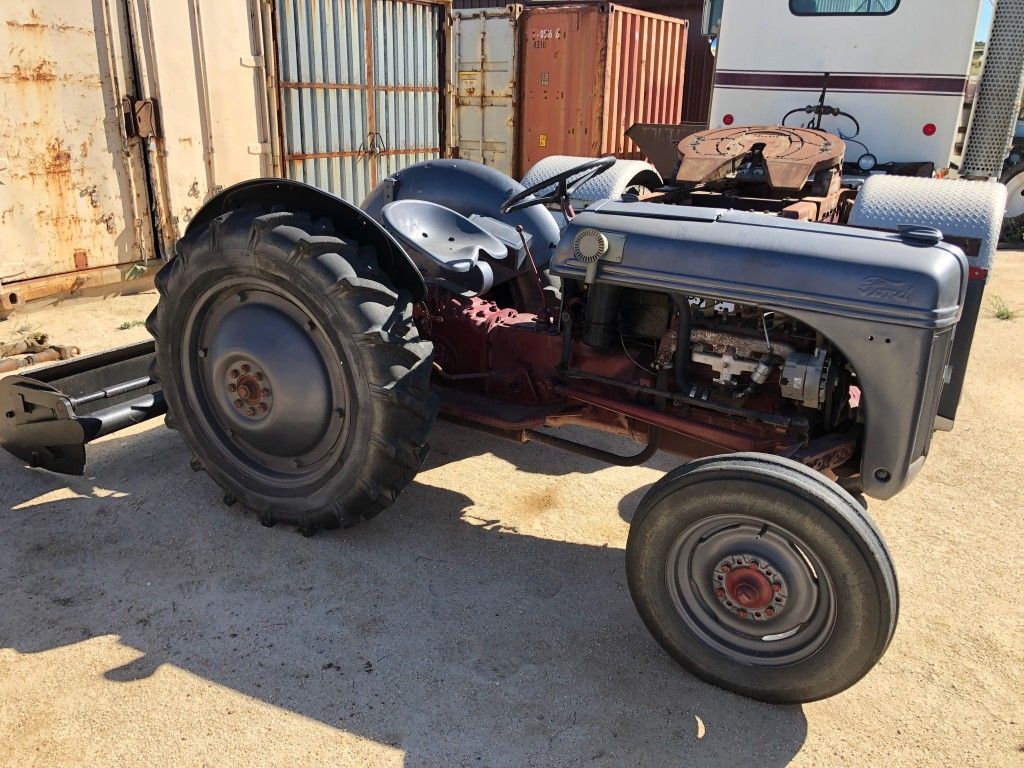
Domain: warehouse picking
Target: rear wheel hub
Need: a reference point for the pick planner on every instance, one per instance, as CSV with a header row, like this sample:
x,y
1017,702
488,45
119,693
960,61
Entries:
x,y
264,374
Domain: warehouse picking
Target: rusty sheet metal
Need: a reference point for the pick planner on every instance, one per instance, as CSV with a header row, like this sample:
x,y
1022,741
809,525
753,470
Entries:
x,y
591,71
72,193
360,89
658,142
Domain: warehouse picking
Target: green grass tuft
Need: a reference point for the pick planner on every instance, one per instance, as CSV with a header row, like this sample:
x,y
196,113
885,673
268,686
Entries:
x,y
1003,311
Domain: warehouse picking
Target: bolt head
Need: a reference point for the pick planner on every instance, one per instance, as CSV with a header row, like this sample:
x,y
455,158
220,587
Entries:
x,y
741,613
262,407
251,411
265,392
238,403
726,569
232,387
246,368
769,611
776,587
233,373
258,375
204,352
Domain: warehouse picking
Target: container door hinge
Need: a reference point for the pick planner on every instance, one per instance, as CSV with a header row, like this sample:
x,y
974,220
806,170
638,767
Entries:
x,y
259,148
251,61
141,118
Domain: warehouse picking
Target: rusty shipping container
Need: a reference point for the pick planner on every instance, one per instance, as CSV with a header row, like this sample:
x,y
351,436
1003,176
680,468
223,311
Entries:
x,y
120,118
485,62
588,72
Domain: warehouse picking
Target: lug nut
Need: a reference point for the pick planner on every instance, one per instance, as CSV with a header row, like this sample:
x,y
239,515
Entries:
x,y
238,403
258,375
251,411
726,569
234,373
741,613
262,407
769,611
720,592
232,387
265,392
245,368
776,587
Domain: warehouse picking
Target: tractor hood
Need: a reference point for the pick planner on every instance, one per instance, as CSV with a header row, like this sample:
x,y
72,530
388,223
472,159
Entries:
x,y
889,302
781,264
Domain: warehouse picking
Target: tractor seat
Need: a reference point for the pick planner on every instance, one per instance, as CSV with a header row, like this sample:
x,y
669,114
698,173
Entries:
x,y
445,245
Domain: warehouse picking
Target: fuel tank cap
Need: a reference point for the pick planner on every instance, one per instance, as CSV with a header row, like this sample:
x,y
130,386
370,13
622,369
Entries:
x,y
914,234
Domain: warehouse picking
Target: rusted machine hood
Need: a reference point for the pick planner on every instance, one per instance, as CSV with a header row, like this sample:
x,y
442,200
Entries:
x,y
790,154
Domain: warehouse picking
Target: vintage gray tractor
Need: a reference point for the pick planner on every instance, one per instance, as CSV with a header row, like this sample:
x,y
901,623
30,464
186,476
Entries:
x,y
303,347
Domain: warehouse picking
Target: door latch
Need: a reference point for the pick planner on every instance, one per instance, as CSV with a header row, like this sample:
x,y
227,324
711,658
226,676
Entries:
x,y
141,118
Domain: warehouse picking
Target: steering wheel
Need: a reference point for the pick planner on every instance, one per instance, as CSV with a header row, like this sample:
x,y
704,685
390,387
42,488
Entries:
x,y
565,184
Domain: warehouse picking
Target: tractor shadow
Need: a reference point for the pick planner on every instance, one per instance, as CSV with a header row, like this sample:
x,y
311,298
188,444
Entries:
x,y
433,629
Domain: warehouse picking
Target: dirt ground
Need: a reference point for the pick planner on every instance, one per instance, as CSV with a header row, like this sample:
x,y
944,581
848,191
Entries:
x,y
483,620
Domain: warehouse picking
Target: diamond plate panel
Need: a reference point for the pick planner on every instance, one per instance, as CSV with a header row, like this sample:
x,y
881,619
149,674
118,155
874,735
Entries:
x,y
956,207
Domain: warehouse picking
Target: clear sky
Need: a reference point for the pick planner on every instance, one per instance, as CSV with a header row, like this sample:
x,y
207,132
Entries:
x,y
985,20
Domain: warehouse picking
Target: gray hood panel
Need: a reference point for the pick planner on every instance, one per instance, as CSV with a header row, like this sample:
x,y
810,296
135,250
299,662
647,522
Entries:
x,y
775,263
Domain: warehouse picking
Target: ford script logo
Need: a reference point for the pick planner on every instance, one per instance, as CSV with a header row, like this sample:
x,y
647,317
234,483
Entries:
x,y
880,288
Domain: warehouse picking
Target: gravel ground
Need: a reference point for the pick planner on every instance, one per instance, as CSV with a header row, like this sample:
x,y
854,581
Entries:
x,y
483,620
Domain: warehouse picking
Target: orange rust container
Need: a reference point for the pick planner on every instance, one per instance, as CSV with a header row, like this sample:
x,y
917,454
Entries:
x,y
588,72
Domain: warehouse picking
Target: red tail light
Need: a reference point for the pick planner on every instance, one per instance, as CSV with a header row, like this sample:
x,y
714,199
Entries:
x,y
928,129
727,119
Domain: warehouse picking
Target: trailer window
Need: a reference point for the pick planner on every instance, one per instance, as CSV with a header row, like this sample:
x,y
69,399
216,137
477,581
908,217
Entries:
x,y
843,7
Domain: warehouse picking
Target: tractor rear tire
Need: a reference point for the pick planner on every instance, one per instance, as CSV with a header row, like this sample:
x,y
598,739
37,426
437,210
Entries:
x,y
292,368
762,577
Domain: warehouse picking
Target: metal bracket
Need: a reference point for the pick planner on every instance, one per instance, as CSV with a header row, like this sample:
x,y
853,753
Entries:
x,y
141,118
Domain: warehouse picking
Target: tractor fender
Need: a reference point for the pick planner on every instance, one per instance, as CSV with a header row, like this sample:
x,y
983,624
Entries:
x,y
610,185
468,188
348,221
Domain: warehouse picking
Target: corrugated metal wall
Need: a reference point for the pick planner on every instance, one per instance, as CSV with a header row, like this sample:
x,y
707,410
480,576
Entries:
x,y
590,71
644,78
408,76
360,84
700,63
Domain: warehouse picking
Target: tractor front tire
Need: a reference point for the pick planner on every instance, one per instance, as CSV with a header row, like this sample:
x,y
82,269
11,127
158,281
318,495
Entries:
x,y
292,368
762,577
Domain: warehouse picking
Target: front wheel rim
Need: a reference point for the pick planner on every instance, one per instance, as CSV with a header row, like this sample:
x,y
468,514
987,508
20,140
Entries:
x,y
751,590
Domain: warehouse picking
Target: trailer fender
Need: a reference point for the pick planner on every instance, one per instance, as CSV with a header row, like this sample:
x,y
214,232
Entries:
x,y
347,219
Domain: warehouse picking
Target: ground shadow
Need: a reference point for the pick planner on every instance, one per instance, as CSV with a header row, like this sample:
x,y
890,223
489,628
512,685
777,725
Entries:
x,y
454,638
